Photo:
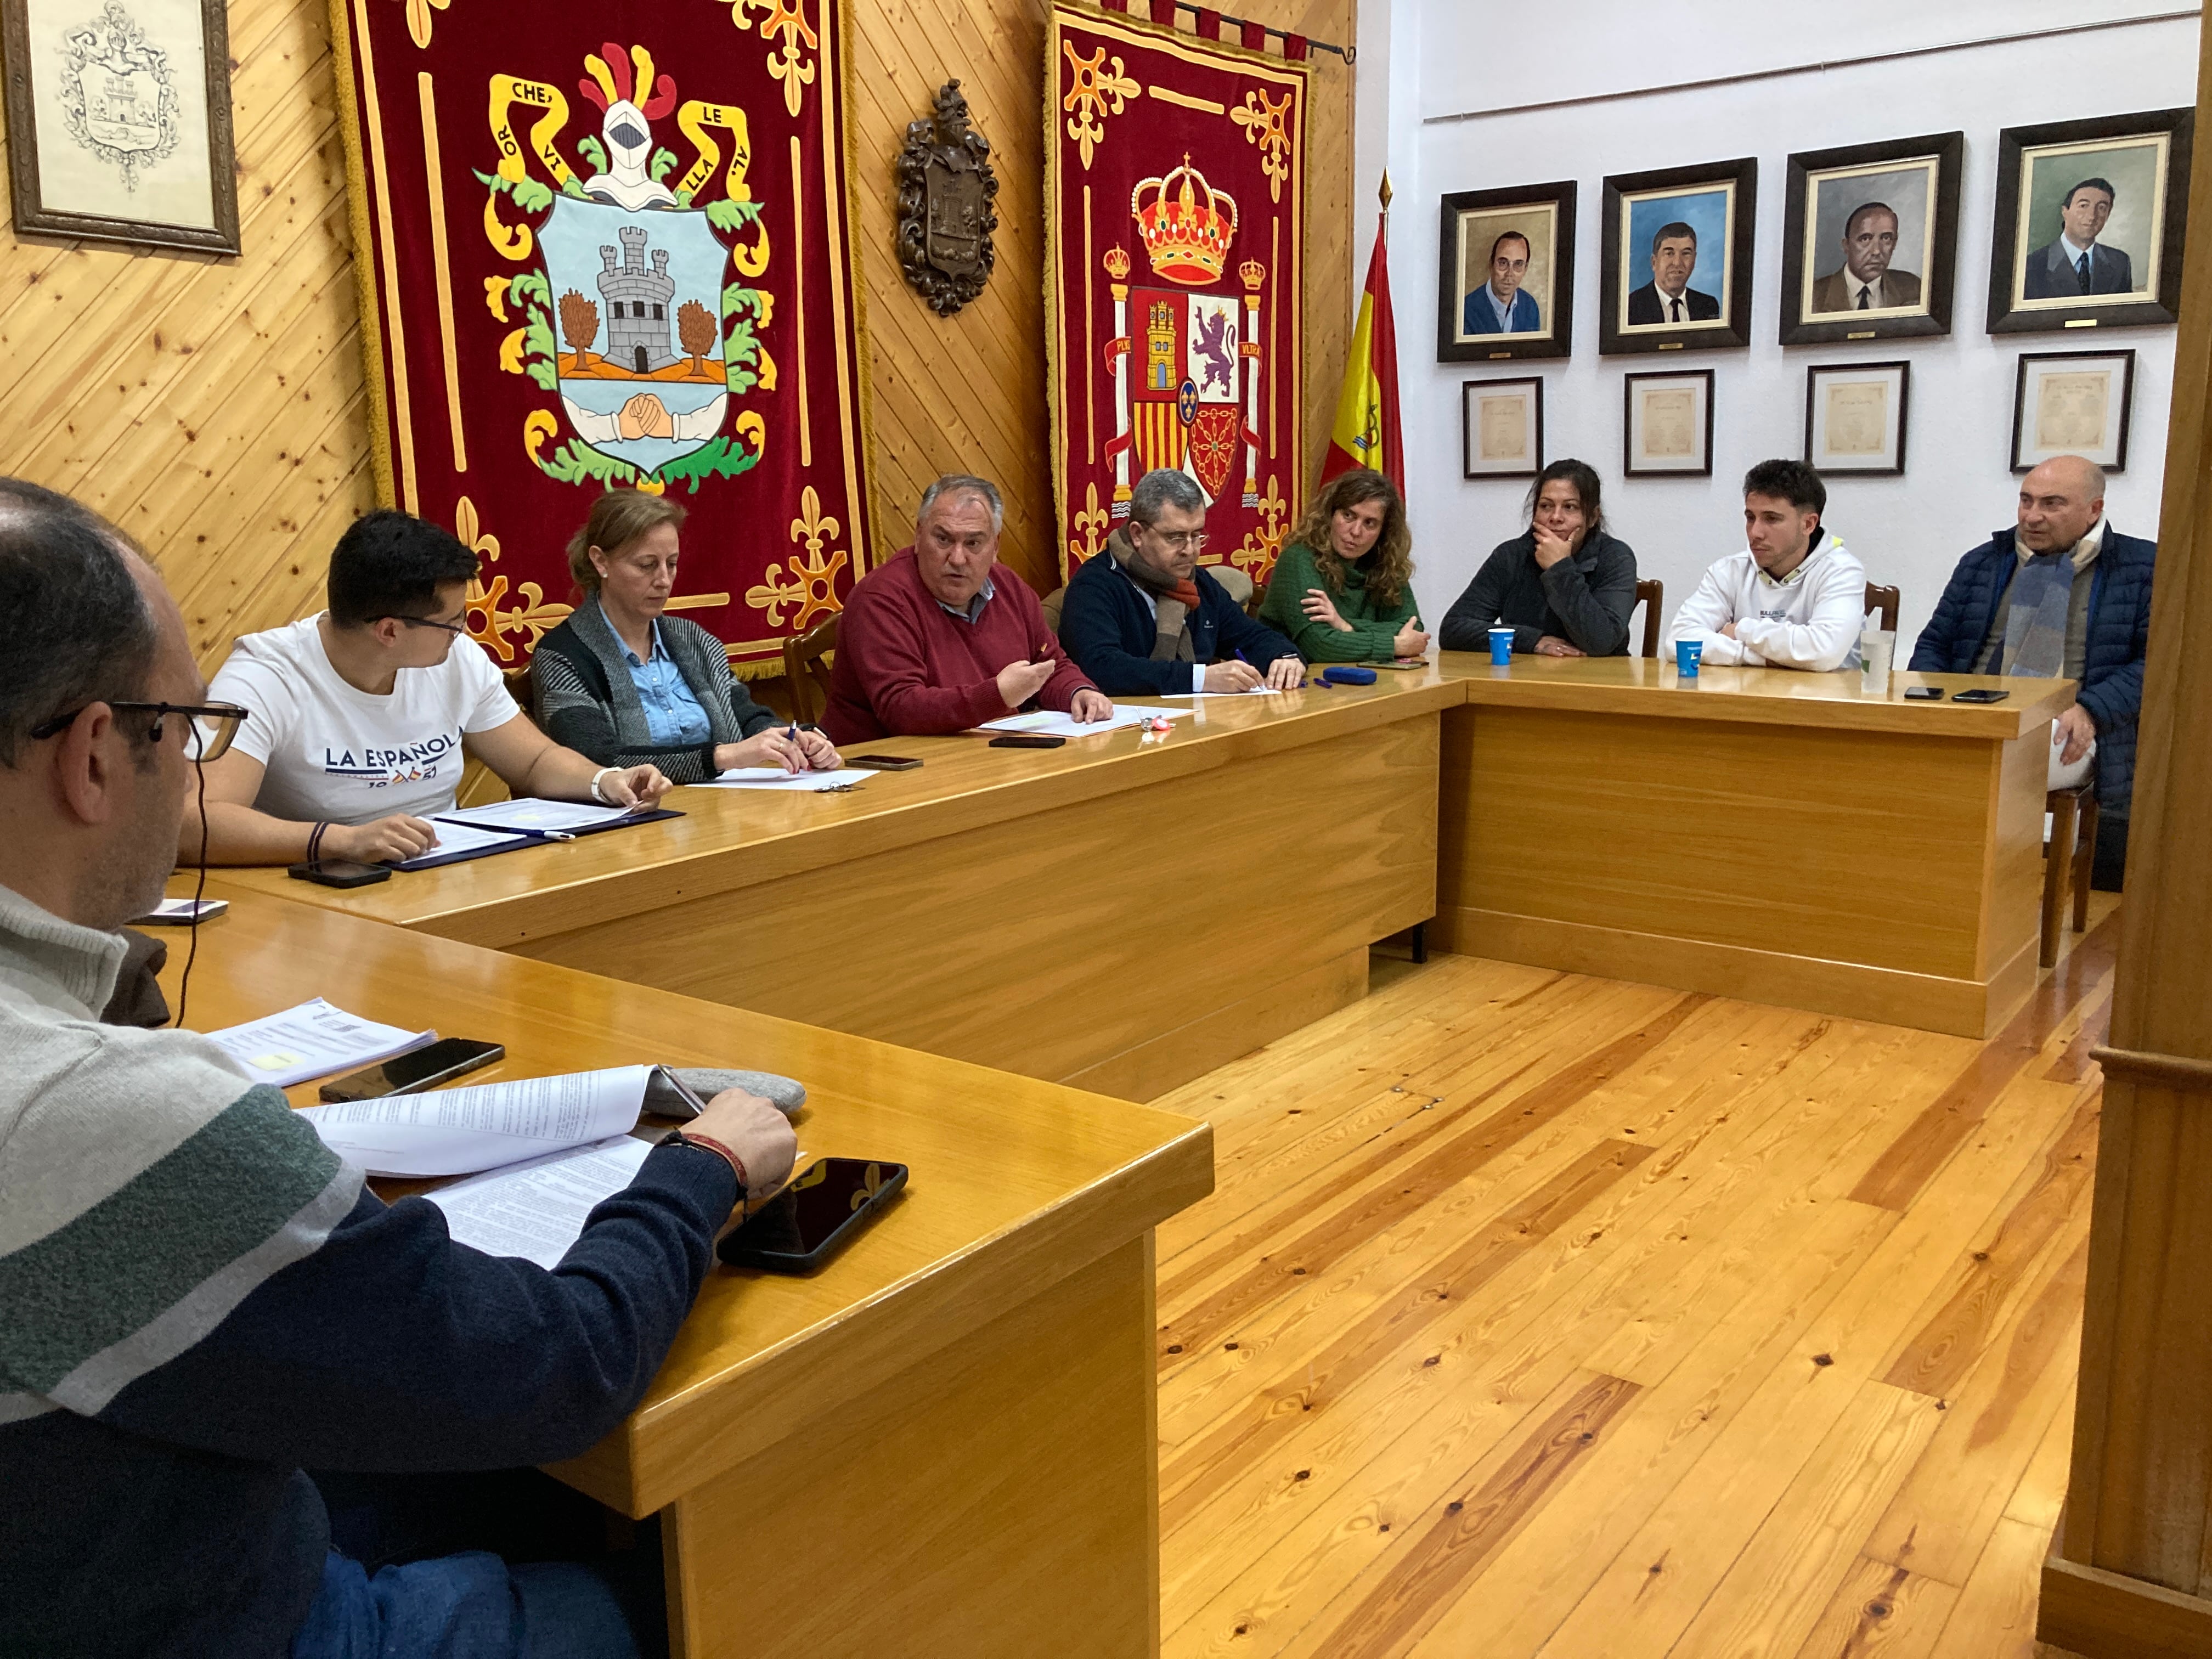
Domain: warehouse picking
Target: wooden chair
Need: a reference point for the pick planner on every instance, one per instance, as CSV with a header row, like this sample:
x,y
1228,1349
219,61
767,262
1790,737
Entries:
x,y
2068,856
1258,598
1886,600
1050,604
1651,595
806,671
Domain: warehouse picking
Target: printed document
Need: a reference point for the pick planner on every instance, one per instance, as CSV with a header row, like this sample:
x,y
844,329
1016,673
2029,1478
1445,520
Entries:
x,y
537,1209
452,1131
313,1039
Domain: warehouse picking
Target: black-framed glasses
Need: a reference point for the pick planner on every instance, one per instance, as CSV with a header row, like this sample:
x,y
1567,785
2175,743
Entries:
x,y
209,728
461,627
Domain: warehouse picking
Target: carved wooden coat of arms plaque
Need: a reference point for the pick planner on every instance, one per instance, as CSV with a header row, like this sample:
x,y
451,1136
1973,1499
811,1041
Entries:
x,y
946,188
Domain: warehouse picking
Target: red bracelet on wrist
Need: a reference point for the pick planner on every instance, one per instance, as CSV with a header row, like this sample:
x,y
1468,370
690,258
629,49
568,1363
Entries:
x,y
694,1138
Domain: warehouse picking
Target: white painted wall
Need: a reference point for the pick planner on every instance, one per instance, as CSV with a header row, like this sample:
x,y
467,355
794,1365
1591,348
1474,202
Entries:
x,y
1423,61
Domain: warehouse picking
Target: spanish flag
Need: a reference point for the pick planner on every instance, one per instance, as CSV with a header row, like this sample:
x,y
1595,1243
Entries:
x,y
1366,431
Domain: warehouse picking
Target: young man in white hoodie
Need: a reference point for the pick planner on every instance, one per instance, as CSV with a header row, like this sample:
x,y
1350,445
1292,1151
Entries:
x,y
1795,597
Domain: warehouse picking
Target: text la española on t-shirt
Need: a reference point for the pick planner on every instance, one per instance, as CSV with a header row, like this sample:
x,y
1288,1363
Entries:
x,y
413,763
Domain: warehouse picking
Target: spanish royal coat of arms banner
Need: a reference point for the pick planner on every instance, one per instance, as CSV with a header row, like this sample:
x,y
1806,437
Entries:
x,y
1175,196
603,246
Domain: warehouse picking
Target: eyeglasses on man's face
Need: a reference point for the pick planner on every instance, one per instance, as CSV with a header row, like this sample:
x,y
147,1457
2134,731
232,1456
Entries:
x,y
458,627
207,727
1178,541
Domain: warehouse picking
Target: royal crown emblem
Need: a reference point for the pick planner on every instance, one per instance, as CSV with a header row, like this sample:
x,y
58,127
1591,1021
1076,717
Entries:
x,y
1187,225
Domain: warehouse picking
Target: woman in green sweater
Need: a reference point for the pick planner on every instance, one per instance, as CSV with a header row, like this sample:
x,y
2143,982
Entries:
x,y
1343,589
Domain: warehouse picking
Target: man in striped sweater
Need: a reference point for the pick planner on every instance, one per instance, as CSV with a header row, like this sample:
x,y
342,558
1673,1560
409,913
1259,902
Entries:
x,y
197,1300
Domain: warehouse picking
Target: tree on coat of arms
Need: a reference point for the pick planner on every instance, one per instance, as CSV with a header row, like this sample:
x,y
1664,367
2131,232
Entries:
x,y
651,282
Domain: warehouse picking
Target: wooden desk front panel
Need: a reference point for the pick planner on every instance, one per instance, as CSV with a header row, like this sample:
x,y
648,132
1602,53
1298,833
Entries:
x,y
1873,873
1051,943
998,1500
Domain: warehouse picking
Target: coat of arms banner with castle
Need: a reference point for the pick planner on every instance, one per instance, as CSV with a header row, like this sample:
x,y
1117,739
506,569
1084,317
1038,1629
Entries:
x,y
1175,198
611,245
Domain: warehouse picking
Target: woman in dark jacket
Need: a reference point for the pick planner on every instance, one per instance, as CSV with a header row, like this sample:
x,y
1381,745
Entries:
x,y
625,685
1564,586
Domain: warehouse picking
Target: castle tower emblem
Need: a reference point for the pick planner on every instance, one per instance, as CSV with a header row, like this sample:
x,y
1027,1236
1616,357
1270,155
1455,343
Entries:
x,y
637,303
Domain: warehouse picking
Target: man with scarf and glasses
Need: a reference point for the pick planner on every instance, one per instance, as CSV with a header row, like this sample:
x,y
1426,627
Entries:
x,y
1145,618
2063,593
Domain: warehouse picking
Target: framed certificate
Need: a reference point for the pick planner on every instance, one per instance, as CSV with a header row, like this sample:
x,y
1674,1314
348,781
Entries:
x,y
1667,425
1502,427
2072,402
1855,418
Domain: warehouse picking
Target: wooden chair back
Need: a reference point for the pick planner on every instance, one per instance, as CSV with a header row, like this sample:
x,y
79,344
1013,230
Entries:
x,y
1885,600
1651,595
808,673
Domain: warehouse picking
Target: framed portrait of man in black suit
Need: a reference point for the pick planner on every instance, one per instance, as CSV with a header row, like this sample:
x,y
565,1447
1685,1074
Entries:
x,y
1869,233
1676,254
2089,221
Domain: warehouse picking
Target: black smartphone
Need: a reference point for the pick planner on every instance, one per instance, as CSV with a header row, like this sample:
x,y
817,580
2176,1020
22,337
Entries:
x,y
1026,740
340,872
409,1073
810,1220
883,762
1924,693
1980,694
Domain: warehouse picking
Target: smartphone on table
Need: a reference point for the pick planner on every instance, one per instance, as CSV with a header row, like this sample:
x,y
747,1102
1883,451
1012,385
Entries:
x,y
339,873
1980,694
815,1216
181,912
1027,740
411,1073
883,762
1924,693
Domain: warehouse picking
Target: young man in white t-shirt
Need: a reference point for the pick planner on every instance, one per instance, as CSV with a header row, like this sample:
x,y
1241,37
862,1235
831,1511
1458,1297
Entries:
x,y
1795,595
361,717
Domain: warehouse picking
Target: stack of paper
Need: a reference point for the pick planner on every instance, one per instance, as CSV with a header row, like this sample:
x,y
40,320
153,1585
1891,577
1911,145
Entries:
x,y
798,783
569,815
460,838
452,1131
313,1039
1048,723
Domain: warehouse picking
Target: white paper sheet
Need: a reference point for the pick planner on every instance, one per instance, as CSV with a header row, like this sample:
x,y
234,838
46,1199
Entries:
x,y
537,1210
1050,723
461,838
774,777
313,1039
534,815
1152,710
462,1131
1253,691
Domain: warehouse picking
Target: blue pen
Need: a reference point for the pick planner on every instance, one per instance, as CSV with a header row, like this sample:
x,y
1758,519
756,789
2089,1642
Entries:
x,y
804,765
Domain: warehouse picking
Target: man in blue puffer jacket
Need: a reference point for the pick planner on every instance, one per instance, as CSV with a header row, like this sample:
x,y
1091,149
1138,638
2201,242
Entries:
x,y
2065,593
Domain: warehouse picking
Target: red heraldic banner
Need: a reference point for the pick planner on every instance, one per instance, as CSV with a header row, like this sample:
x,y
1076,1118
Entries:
x,y
607,244
1175,196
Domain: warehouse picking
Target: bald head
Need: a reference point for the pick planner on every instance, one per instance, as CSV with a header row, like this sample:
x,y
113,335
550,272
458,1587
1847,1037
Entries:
x,y
2060,502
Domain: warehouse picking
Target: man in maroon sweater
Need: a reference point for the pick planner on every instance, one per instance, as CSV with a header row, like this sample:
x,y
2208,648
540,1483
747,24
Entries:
x,y
939,639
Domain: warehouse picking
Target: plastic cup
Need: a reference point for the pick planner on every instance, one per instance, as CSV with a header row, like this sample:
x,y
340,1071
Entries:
x,y
1877,651
1687,655
1501,645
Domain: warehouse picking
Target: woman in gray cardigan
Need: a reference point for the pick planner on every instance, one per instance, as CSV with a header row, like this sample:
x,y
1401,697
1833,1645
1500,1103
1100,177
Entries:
x,y
618,678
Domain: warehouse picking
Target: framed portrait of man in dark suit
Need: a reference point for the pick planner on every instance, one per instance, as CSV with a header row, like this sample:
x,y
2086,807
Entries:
x,y
2089,221
1869,236
1506,282
1676,251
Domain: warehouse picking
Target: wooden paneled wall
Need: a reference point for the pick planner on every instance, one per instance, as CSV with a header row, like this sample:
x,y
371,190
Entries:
x,y
967,393
215,408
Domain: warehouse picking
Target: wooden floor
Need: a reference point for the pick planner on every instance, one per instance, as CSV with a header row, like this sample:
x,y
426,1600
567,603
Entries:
x,y
1540,1314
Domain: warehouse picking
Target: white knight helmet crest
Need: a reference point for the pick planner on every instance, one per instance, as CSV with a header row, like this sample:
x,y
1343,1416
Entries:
x,y
626,129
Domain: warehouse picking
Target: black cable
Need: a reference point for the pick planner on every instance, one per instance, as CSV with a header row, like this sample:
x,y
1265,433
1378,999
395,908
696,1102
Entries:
x,y
192,951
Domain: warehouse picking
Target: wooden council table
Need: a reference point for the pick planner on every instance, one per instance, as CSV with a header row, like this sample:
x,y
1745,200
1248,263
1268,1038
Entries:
x,y
947,1437
1759,833
1121,914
